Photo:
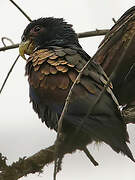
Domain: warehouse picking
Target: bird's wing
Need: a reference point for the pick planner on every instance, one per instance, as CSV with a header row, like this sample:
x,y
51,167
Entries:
x,y
119,44
65,64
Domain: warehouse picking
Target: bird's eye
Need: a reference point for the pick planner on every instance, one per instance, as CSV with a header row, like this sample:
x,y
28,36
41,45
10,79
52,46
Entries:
x,y
37,28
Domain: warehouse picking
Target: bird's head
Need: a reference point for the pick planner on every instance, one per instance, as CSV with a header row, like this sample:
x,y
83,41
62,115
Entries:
x,y
45,32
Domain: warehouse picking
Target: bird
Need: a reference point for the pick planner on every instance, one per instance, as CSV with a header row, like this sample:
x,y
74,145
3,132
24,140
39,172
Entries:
x,y
55,58
118,48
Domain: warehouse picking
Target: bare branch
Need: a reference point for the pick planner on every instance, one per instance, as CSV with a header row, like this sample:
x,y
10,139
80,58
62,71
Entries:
x,y
25,166
9,73
5,38
9,47
8,39
86,151
114,20
20,10
33,164
97,32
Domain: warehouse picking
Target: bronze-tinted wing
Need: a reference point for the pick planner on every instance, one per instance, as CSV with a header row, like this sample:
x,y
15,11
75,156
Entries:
x,y
120,39
65,64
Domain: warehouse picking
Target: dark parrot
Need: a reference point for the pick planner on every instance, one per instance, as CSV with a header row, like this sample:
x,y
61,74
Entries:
x,y
118,47
55,60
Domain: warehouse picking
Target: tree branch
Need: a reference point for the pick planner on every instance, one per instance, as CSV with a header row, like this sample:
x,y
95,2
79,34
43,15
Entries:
x,y
9,47
25,166
29,165
8,39
97,32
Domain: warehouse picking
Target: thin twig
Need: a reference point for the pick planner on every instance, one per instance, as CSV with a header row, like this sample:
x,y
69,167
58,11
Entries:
x,y
62,115
114,20
5,38
86,151
8,39
9,74
97,32
21,10
9,47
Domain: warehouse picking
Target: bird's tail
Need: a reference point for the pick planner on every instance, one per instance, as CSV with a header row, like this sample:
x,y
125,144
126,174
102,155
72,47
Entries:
x,y
97,130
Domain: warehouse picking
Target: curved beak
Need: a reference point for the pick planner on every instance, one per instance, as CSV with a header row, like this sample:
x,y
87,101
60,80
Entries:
x,y
26,47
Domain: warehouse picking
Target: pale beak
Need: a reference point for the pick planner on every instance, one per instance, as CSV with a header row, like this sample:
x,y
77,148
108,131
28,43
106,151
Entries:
x,y
26,47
